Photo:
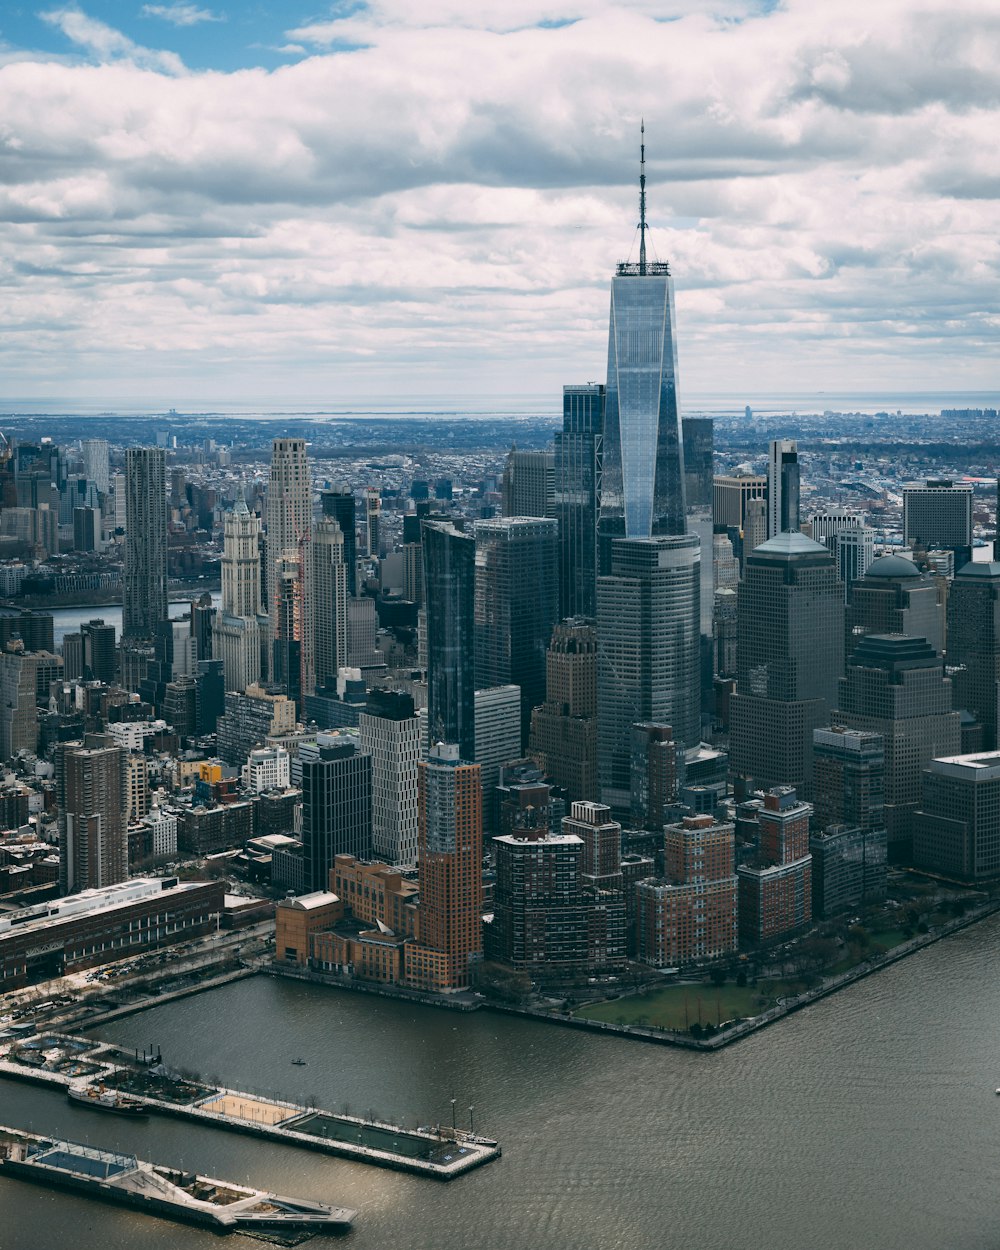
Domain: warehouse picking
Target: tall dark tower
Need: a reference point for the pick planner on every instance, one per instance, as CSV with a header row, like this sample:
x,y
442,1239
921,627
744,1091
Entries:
x,y
145,589
642,493
579,449
450,588
339,503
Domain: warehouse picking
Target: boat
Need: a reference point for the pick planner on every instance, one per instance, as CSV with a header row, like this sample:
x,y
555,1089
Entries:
x,y
299,1063
101,1099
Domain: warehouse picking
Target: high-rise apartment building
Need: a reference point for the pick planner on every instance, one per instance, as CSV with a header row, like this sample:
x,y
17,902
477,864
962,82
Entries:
x,y
516,605
373,522
288,515
939,514
450,855
25,677
774,891
236,627
336,782
450,587
974,644
789,657
783,487
145,578
528,487
564,728
250,719
579,466
642,492
92,797
848,869
326,605
390,734
96,463
497,740
648,657
601,861
894,597
896,686
657,772
690,913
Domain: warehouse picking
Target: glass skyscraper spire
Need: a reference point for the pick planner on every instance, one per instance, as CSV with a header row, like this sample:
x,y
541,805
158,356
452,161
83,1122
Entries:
x,y
643,484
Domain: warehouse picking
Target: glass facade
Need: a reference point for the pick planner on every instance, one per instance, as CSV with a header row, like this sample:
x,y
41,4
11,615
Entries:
x,y
643,480
450,585
579,458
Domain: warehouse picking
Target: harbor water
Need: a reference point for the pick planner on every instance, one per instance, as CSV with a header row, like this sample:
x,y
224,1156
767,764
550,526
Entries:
x,y
869,1119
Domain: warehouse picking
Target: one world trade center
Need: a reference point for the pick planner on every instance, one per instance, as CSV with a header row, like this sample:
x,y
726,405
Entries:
x,y
642,493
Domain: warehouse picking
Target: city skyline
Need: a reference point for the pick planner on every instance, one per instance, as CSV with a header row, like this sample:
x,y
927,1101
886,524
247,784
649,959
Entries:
x,y
187,215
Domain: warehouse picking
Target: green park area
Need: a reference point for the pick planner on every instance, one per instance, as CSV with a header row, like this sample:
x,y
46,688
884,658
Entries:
x,y
678,1007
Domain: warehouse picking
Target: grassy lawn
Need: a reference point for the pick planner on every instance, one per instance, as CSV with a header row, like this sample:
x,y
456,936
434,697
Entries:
x,y
679,1006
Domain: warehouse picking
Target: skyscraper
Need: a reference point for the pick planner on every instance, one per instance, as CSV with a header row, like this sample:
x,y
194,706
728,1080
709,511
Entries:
x,y
789,657
564,727
528,486
894,597
782,487
339,503
579,461
699,460
939,514
145,584
450,588
648,652
336,804
96,463
390,734
451,881
855,552
516,605
974,644
642,492
92,798
326,605
236,628
288,513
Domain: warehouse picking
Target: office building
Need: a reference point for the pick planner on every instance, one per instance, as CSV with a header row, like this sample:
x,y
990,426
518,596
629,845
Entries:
x,y
267,768
854,550
25,678
326,605
974,644
450,854
956,829
86,529
450,587
250,718
564,728
783,487
362,630
497,723
288,514
731,493
339,504
336,783
789,657
516,605
528,487
145,577
389,733
895,686
699,449
642,492
848,869
579,466
689,914
826,525
894,597
939,514
848,778
92,798
649,652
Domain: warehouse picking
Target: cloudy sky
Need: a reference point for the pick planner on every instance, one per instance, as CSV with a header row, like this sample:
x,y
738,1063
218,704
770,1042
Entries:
x,y
270,203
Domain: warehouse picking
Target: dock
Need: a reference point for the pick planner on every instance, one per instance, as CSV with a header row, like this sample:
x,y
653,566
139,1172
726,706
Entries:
x,y
79,1063
125,1180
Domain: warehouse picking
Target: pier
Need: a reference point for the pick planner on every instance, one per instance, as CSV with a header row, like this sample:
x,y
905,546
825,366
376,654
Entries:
x,y
110,1176
80,1063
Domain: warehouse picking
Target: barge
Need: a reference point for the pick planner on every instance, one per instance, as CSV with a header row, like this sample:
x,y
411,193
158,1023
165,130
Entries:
x,y
109,1176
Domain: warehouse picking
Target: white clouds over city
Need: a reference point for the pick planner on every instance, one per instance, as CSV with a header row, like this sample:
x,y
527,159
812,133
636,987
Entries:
x,y
426,204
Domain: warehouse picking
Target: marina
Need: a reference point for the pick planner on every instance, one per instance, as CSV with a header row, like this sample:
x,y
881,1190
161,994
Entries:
x,y
109,1078
123,1179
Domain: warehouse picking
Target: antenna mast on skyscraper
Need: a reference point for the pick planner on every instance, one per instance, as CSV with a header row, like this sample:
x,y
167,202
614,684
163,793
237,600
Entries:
x,y
642,197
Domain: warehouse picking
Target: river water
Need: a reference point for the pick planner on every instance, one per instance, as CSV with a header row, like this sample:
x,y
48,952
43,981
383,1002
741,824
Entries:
x,y
68,620
868,1120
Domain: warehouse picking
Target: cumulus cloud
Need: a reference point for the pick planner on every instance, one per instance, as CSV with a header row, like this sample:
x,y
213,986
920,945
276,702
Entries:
x,y
440,209
180,14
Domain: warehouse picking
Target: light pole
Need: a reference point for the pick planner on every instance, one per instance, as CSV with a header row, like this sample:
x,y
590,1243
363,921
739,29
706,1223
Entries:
x,y
454,1126
471,1126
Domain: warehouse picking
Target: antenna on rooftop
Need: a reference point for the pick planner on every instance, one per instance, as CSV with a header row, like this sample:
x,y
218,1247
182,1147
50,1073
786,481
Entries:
x,y
642,196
